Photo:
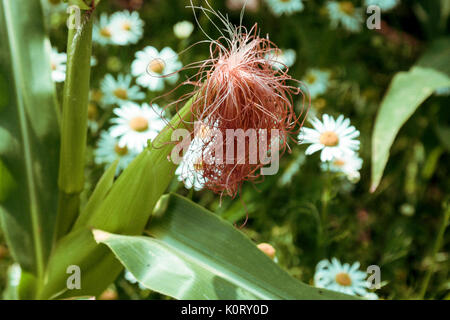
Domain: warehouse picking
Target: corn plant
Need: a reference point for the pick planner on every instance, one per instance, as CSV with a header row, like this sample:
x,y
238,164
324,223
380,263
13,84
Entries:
x,y
72,240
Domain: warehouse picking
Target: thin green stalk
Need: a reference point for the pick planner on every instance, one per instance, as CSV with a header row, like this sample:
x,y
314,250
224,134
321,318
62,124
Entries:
x,y
325,200
437,246
74,123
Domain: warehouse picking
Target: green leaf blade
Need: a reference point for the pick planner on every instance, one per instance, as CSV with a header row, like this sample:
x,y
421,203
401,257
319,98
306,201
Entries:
x,y
407,92
29,133
195,255
188,279
120,206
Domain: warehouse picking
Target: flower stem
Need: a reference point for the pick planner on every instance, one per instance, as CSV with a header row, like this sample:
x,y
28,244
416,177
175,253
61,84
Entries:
x,y
437,246
74,123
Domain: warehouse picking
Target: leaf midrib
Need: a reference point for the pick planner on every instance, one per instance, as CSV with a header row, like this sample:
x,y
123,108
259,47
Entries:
x,y
214,267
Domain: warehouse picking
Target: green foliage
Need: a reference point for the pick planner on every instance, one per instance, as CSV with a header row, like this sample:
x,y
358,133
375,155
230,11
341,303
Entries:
x,y
74,123
193,254
122,207
98,266
408,90
304,213
101,190
82,4
406,93
29,135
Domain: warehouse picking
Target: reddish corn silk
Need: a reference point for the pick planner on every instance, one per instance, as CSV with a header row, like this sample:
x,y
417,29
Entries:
x,y
238,87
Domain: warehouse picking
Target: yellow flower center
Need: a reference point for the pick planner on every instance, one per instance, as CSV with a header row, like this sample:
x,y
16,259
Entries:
x,y
53,66
92,111
96,95
139,124
156,65
105,32
347,7
121,151
121,93
329,139
343,279
311,78
285,0
338,163
204,131
126,26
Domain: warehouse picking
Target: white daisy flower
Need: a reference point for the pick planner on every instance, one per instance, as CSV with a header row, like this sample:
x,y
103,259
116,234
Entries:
x,y
58,64
340,277
120,91
131,279
183,29
279,7
127,27
103,31
189,170
14,274
334,137
282,58
136,125
108,151
153,68
384,5
345,13
94,61
317,82
349,164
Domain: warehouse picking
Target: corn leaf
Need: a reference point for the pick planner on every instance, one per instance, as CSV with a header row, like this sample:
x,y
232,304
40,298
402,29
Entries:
x,y
406,93
123,207
193,254
29,135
